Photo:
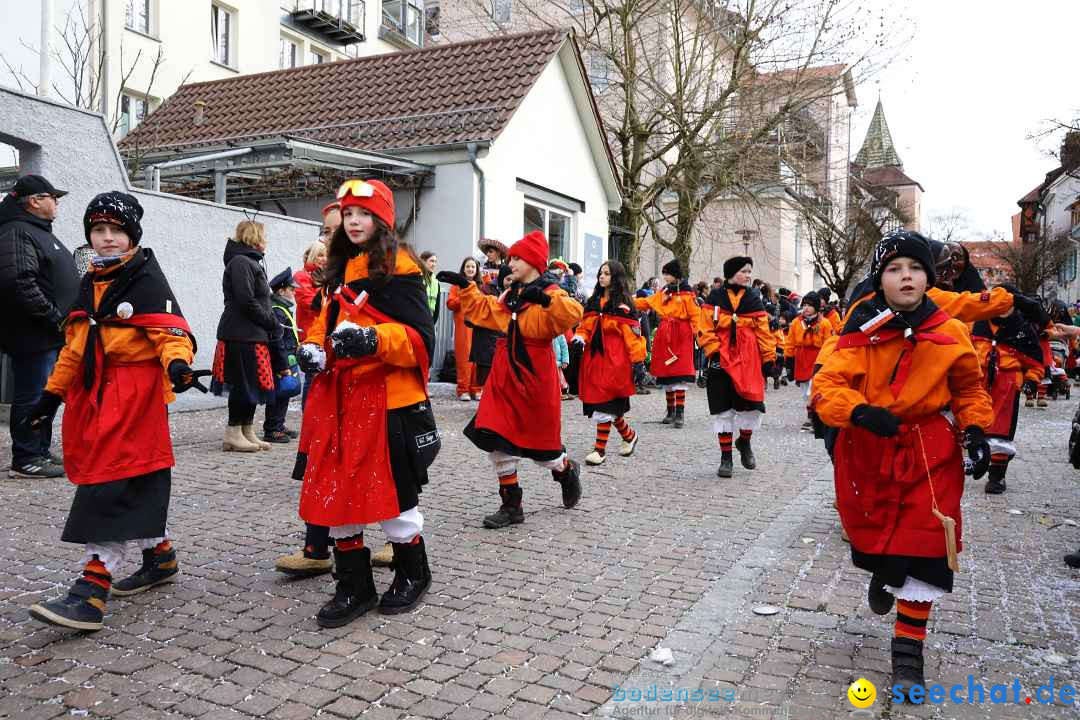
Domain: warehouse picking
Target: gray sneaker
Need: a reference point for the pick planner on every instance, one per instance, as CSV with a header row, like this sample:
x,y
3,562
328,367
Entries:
x,y
36,468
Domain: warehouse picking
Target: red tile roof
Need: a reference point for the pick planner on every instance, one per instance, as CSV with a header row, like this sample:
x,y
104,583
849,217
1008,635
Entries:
x,y
887,177
439,95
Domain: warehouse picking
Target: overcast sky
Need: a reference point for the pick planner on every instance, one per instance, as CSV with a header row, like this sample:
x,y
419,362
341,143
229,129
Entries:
x,y
977,78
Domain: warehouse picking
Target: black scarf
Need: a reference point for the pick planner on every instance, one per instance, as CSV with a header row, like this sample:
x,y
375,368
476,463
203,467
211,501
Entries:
x,y
515,342
594,305
750,302
140,284
403,298
871,307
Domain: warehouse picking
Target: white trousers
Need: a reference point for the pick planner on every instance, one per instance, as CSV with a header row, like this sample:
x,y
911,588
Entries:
x,y
507,464
1002,446
673,388
731,421
111,554
401,529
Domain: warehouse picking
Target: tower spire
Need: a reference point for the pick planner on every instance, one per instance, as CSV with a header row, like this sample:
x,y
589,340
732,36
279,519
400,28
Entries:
x,y
878,149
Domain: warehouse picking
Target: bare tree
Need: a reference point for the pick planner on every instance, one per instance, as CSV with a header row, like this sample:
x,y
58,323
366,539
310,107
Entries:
x,y
1035,262
952,225
841,251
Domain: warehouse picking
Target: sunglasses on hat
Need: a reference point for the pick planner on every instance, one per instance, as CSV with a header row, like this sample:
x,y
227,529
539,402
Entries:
x,y
356,188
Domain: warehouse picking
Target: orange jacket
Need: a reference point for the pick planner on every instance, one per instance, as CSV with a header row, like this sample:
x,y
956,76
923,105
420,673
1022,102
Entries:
x,y
635,343
940,375
403,383
677,306
535,322
710,329
781,339
799,336
123,344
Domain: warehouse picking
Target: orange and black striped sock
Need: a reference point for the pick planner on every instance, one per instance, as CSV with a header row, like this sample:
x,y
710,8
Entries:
x,y
624,429
355,542
745,435
1000,460
680,398
670,396
725,442
603,432
911,619
1041,392
510,480
163,547
95,572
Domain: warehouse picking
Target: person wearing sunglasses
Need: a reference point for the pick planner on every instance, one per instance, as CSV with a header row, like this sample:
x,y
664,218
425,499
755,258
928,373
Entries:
x,y
368,434
38,284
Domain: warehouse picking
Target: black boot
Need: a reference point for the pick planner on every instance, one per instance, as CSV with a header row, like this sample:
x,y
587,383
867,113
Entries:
x,y
995,485
776,383
510,512
355,593
570,479
880,599
412,578
82,609
679,411
157,568
746,454
1073,559
726,465
907,664
670,417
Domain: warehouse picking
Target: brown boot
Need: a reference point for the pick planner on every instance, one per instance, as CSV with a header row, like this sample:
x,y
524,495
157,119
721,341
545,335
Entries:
x,y
249,433
384,557
235,441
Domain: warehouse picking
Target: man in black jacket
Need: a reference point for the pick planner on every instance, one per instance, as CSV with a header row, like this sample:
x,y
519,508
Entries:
x,y
38,284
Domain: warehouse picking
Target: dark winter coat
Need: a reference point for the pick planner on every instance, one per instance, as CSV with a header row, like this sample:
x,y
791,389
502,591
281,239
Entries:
x,y
247,316
284,310
38,282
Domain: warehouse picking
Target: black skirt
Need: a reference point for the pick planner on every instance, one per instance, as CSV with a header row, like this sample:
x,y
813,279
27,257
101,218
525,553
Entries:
x,y
722,394
130,509
894,569
490,441
617,407
245,368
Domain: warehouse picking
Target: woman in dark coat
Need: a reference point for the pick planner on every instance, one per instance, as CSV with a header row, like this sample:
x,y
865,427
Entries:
x,y
243,368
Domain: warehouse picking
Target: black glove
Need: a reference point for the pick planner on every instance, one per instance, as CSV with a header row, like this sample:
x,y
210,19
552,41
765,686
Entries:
x,y
1031,309
767,368
534,294
789,365
1030,388
311,358
452,278
352,341
978,450
876,419
44,410
184,378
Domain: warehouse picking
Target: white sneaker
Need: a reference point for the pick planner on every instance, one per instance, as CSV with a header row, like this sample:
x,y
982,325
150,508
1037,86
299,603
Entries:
x,y
595,458
463,397
627,448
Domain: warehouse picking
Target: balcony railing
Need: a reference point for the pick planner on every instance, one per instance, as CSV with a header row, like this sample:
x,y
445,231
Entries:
x,y
340,21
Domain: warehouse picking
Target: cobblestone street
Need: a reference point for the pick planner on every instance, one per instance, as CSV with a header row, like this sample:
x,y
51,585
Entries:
x,y
546,618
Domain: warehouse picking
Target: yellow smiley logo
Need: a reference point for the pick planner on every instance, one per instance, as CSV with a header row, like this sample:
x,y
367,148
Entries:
x,y
862,693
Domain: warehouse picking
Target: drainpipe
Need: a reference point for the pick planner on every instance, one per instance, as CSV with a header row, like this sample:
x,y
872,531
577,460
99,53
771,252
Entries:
x,y
45,54
103,82
471,148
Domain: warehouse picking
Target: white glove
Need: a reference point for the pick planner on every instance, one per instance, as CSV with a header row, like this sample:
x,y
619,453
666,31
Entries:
x,y
311,358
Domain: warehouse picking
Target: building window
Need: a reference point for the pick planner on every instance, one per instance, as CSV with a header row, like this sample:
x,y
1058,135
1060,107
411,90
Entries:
x,y
137,15
288,54
132,112
1067,271
221,45
405,17
318,58
501,10
554,224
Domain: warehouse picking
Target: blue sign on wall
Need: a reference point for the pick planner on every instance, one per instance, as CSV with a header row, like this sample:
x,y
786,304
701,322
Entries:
x,y
594,257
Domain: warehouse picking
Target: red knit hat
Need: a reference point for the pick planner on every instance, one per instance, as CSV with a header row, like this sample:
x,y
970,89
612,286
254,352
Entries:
x,y
329,207
533,249
371,195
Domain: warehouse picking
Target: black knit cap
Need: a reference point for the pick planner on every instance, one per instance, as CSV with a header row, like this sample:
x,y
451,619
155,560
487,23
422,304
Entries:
x,y
115,208
673,268
825,294
902,243
735,264
813,300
